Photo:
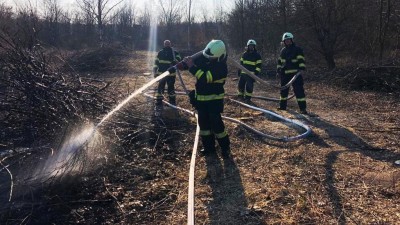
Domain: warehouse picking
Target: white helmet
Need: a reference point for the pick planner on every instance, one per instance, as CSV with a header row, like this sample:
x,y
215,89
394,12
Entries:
x,y
167,43
251,42
215,49
287,35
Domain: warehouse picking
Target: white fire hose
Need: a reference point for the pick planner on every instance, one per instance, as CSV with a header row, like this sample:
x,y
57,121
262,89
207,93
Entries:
x,y
190,209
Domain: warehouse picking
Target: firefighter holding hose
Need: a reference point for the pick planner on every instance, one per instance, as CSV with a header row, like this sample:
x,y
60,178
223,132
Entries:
x,y
290,62
166,58
251,60
210,69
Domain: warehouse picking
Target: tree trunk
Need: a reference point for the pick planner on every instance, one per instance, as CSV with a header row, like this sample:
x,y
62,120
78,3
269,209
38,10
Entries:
x,y
330,60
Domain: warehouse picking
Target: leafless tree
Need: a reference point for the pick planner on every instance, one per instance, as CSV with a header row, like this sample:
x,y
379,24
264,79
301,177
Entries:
x,y
171,12
385,8
52,18
328,19
28,25
100,10
5,17
189,22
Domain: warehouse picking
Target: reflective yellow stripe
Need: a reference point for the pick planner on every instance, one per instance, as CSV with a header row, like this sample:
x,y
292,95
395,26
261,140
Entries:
x,y
209,97
290,71
205,132
221,135
248,94
258,69
300,57
209,77
220,81
282,60
240,93
278,66
302,65
199,73
246,62
294,60
165,61
259,61
283,99
301,99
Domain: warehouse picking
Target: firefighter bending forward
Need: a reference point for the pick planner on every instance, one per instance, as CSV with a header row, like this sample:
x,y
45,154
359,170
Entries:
x,y
210,70
166,58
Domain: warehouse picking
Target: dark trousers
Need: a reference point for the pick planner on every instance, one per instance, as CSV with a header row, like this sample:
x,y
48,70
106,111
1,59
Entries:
x,y
297,88
212,126
170,81
246,86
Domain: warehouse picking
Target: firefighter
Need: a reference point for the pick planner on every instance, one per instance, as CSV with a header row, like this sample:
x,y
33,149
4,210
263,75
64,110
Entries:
x,y
210,70
166,58
291,61
251,60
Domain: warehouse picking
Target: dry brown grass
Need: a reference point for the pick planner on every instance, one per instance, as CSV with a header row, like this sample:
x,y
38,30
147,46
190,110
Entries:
x,y
343,173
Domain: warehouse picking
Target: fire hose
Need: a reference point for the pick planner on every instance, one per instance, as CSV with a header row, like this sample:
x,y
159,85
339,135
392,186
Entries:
x,y
252,75
190,209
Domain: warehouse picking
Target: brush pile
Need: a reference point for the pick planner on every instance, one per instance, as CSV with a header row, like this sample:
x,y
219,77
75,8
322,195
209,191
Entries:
x,y
37,99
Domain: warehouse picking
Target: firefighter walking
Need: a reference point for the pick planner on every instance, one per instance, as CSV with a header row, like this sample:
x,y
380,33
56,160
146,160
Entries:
x,y
251,60
210,70
166,58
291,61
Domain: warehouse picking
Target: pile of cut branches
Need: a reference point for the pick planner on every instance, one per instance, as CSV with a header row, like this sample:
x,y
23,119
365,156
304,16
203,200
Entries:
x,y
37,100
376,78
382,78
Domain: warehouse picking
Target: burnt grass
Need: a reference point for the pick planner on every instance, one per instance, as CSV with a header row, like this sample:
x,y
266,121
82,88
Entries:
x,y
343,173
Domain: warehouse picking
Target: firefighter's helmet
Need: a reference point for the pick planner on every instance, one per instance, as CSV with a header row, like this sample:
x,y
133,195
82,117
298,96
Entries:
x,y
215,49
287,35
251,42
167,43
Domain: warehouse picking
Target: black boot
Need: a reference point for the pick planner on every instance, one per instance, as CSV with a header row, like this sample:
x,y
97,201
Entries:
x,y
303,107
208,144
172,100
282,105
225,143
159,101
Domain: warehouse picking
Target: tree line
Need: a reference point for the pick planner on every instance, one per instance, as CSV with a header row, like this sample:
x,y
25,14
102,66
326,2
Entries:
x,y
330,31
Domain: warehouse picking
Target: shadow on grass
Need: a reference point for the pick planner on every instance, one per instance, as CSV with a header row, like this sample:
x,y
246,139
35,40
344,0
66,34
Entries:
x,y
352,144
229,204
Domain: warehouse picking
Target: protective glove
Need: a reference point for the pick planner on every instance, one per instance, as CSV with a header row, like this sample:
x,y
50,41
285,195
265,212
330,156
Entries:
x,y
182,66
172,69
188,61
